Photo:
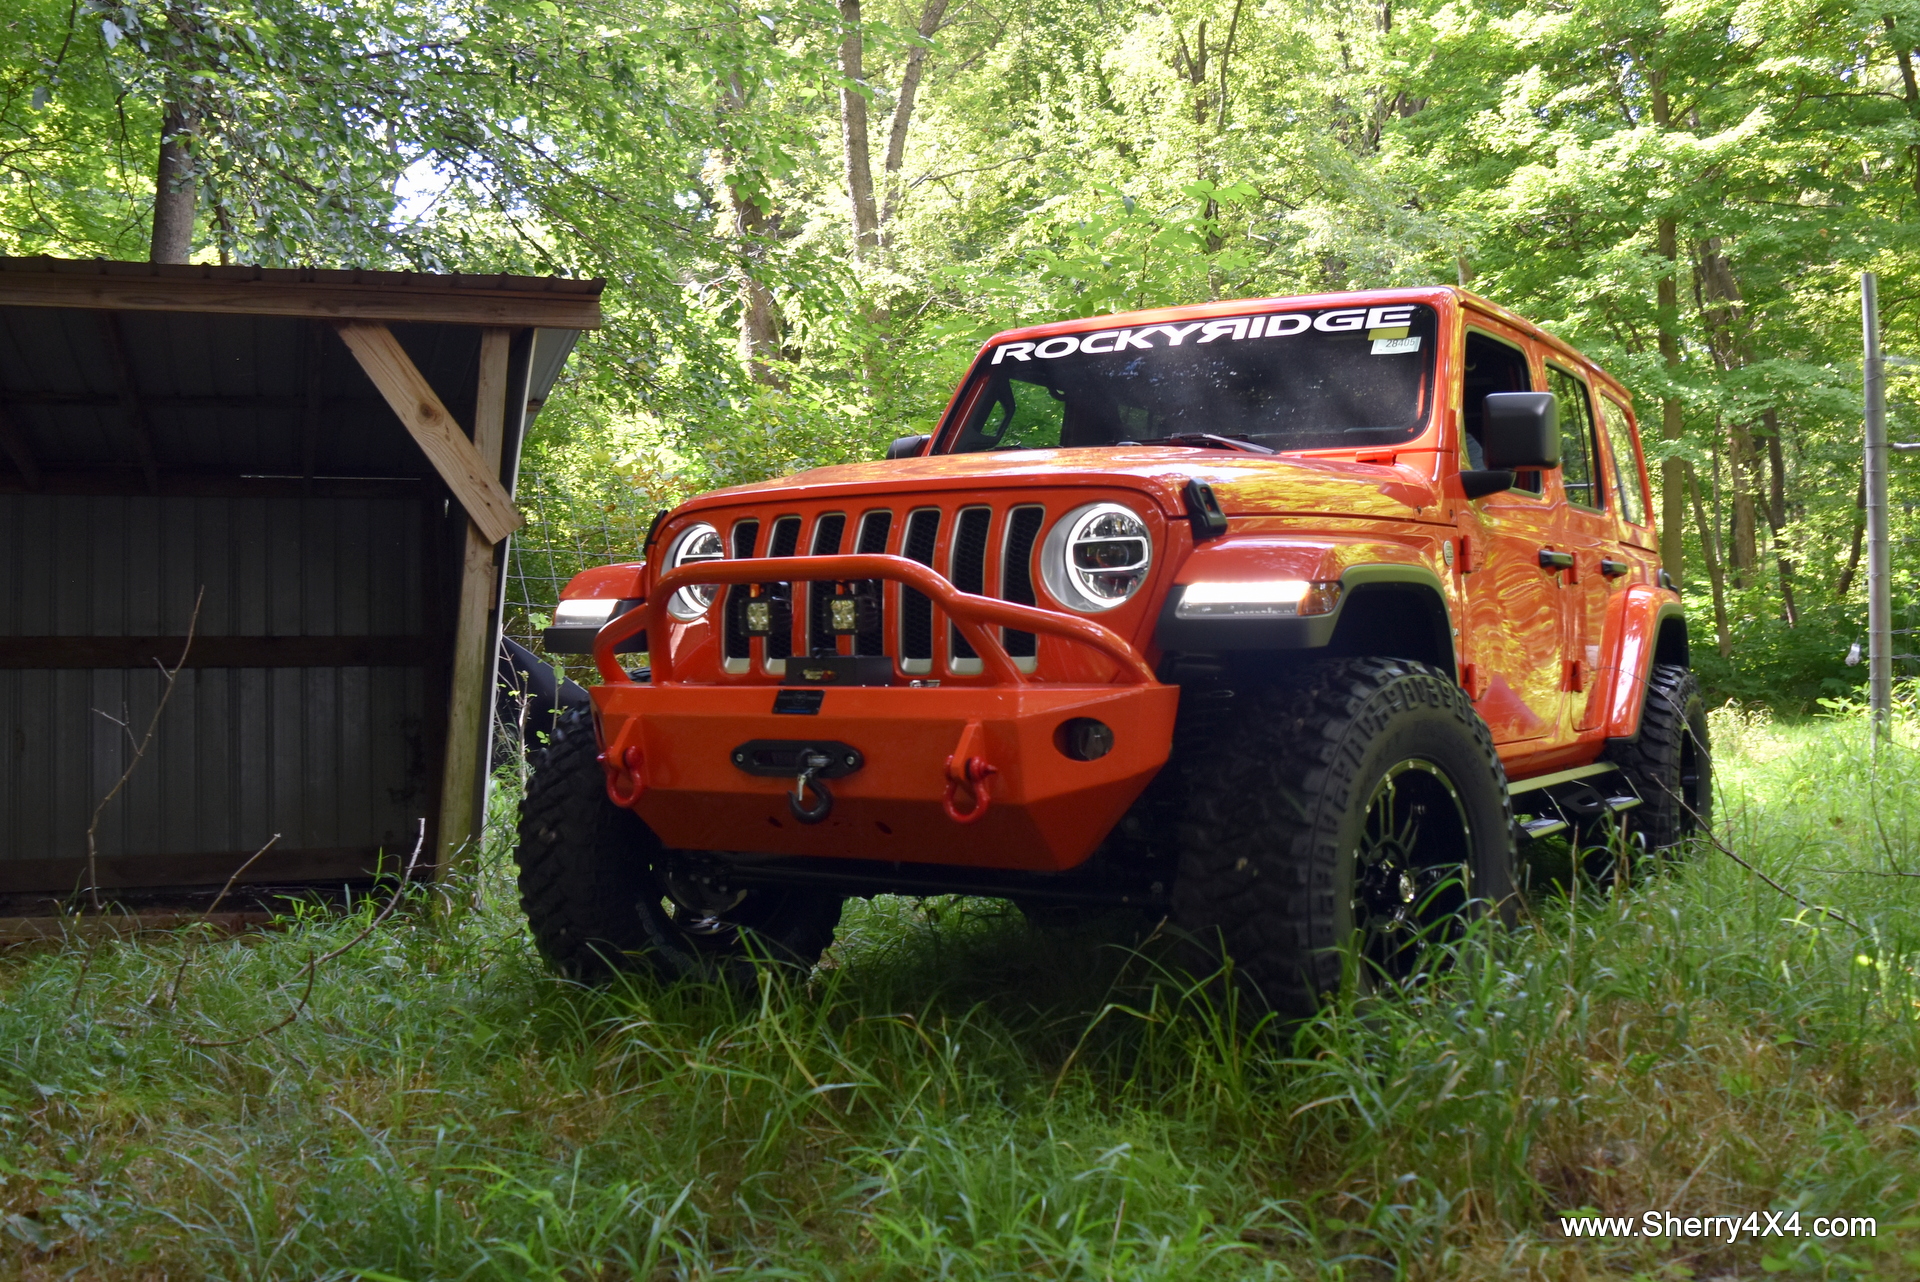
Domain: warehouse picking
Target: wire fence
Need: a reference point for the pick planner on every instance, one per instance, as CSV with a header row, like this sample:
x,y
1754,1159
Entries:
x,y
571,526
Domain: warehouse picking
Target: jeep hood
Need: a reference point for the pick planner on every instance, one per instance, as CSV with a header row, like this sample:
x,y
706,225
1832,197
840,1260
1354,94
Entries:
x,y
1246,484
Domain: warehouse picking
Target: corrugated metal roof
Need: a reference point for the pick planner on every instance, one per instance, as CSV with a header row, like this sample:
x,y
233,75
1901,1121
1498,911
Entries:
x,y
225,394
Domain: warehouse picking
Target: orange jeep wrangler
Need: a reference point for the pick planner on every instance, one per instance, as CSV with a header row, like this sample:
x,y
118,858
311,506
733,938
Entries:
x,y
1283,619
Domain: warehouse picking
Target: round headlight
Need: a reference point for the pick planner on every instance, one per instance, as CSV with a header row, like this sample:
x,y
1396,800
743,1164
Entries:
x,y
1096,556
695,544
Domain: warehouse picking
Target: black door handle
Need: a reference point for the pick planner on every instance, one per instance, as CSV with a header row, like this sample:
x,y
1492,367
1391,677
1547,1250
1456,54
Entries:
x,y
1551,560
1613,569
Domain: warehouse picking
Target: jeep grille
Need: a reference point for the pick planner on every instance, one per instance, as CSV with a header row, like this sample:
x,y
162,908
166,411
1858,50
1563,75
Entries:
x,y
987,550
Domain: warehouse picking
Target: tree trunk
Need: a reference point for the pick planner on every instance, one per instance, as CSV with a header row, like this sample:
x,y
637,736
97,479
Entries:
x,y
753,225
759,317
1673,471
1845,583
930,19
1777,515
1910,94
1745,550
853,129
174,190
1710,554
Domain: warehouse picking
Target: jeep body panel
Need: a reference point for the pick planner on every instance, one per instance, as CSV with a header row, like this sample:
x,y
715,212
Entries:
x,y
1544,601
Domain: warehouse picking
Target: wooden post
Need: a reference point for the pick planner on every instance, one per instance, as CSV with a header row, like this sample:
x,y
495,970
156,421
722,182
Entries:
x,y
470,702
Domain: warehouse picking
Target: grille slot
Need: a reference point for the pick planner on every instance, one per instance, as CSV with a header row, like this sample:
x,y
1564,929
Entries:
x,y
1016,575
969,559
875,527
737,648
784,539
827,533
916,610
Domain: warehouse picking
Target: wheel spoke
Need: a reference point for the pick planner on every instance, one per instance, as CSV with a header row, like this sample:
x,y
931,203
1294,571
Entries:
x,y
1414,840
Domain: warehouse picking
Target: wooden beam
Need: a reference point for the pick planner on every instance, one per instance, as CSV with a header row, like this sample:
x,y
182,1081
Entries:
x,y
333,296
470,702
129,394
18,448
43,653
473,482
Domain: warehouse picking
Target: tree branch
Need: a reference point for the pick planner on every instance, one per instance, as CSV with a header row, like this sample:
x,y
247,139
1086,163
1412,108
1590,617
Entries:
x,y
140,750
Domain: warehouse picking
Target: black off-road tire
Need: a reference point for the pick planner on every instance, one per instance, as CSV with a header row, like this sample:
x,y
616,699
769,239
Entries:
x,y
594,884
1276,861
1670,763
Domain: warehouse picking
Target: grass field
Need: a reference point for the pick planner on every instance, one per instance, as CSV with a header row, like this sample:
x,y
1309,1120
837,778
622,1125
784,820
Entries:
x,y
955,1095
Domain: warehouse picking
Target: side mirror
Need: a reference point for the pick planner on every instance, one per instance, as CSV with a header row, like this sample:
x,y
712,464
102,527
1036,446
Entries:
x,y
1521,430
906,446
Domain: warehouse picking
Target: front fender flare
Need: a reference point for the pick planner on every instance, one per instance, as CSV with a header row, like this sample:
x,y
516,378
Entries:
x,y
1361,587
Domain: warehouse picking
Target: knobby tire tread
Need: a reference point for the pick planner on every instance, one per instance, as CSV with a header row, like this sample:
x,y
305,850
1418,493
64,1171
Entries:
x,y
1674,709
1267,777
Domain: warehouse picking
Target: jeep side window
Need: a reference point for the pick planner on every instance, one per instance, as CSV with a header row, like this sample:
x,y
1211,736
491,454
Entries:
x,y
1016,414
1626,464
1578,473
1491,366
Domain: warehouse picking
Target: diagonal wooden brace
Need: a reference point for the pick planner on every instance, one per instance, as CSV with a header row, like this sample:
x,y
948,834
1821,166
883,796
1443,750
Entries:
x,y
414,401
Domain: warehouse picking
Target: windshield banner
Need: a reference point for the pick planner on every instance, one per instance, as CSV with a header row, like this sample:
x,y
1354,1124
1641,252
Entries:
x,y
1386,326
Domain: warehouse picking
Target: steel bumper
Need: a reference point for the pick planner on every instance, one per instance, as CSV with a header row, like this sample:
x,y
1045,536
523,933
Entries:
x,y
982,775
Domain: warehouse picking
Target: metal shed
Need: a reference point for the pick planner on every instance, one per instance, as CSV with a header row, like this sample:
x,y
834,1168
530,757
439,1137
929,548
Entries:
x,y
324,460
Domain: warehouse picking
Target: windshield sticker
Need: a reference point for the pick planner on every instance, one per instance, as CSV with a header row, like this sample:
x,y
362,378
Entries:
x,y
1385,326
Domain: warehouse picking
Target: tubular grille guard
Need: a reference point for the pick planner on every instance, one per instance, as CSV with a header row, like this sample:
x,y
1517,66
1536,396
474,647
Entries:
x,y
976,617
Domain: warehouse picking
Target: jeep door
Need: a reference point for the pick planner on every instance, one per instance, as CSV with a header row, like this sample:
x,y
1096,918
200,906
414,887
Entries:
x,y
1512,635
1587,531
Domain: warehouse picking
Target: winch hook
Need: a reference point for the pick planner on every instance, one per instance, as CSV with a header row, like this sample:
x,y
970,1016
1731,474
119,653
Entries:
x,y
812,764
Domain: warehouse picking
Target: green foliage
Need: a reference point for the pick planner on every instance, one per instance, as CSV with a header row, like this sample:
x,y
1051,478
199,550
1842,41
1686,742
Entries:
x,y
1060,160
956,1094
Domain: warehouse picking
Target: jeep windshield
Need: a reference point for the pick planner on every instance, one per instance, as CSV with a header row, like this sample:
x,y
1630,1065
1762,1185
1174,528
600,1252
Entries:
x,y
1303,380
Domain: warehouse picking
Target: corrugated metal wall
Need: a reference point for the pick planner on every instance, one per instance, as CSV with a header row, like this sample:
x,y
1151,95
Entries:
x,y
337,760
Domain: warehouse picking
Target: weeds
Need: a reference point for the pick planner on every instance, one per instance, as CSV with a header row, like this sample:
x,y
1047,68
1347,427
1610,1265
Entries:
x,y
953,1094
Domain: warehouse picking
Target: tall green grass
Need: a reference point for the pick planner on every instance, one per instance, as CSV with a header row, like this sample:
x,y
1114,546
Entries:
x,y
955,1095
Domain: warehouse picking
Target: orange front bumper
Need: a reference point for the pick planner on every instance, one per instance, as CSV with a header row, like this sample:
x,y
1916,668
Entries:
x,y
974,776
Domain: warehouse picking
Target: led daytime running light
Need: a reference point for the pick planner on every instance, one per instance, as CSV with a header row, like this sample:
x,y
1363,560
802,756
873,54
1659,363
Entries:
x,y
1257,599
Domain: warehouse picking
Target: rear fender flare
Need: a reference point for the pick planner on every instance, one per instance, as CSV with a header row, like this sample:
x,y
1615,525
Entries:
x,y
1652,628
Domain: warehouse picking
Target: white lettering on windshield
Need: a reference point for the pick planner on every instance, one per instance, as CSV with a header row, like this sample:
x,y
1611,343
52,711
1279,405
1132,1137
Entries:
x,y
1345,319
1174,333
1222,329
1271,325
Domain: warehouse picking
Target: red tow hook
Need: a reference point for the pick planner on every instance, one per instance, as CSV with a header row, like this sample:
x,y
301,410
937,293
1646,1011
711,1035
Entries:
x,y
626,783
967,768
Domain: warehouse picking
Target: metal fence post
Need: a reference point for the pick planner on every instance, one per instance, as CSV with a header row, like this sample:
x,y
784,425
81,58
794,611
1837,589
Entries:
x,y
1879,609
